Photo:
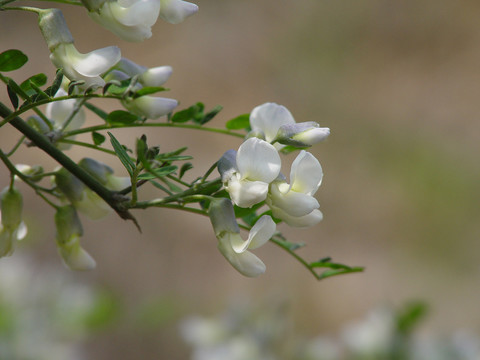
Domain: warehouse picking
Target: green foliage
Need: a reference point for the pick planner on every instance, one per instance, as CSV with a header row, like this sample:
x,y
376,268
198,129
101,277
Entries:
x,y
121,117
12,60
122,154
196,114
98,139
239,123
30,85
335,268
409,317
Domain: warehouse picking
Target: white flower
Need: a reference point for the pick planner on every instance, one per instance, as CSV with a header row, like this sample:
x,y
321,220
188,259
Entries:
x,y
130,20
86,67
64,55
69,231
246,174
175,11
83,198
155,76
277,124
150,107
11,225
294,203
230,242
268,118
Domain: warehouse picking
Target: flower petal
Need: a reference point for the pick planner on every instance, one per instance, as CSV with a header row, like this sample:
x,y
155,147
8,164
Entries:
x,y
261,232
269,117
306,174
95,62
293,203
258,160
138,13
156,76
151,107
246,263
227,164
298,221
175,11
245,193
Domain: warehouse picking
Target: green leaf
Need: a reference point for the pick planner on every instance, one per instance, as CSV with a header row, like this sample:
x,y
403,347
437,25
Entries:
x,y
289,149
102,114
238,123
12,60
185,167
210,115
57,82
158,173
242,212
12,96
122,154
194,112
121,117
410,316
37,80
148,90
171,185
161,187
335,268
117,87
98,139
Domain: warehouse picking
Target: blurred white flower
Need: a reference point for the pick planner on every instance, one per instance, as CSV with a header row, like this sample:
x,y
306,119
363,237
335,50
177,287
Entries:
x,y
12,227
155,76
131,20
69,231
247,173
230,242
176,11
294,203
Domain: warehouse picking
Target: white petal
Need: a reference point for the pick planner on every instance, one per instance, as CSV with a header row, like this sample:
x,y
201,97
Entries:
x,y
261,232
301,221
246,263
175,11
156,76
127,33
258,160
21,231
312,136
306,174
245,193
75,257
294,203
95,62
59,111
151,107
92,205
269,117
143,12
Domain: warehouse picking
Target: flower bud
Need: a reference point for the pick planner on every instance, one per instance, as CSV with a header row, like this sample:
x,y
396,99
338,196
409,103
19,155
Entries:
x,y
96,169
69,185
69,230
176,11
54,28
11,208
301,134
150,107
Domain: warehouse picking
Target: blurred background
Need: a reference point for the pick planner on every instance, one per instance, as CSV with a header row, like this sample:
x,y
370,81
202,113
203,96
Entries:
x,y
397,83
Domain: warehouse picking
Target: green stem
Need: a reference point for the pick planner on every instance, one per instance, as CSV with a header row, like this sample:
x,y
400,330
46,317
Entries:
x,y
17,145
24,96
24,8
171,125
14,172
189,194
87,145
43,143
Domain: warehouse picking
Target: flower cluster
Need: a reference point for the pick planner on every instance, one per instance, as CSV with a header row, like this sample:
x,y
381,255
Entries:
x,y
252,175
78,197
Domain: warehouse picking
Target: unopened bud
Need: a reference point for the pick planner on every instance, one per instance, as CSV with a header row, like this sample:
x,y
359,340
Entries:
x,y
11,208
301,134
